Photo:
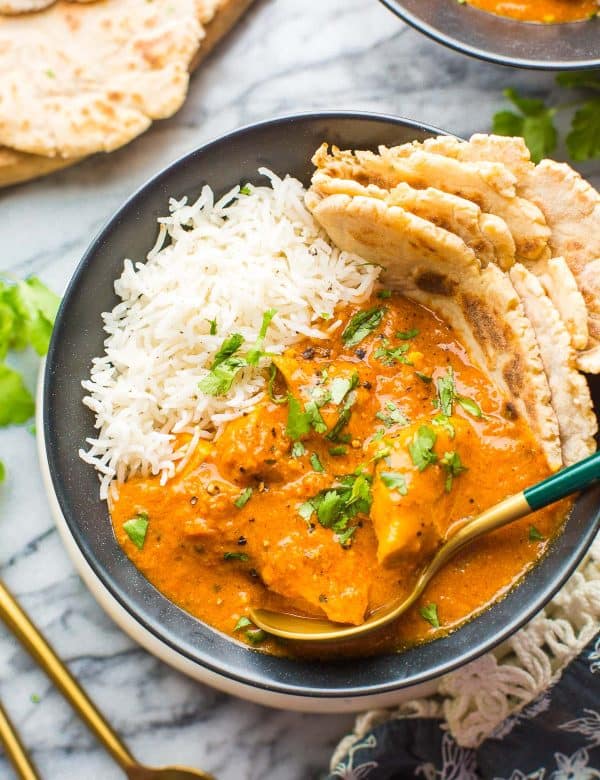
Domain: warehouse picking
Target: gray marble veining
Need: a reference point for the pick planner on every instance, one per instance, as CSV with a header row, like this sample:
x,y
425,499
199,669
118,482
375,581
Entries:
x,y
286,56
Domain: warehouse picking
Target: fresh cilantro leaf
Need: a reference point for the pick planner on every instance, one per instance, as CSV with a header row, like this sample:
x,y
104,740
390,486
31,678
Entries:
x,y
34,309
243,498
298,449
271,386
339,450
136,529
453,466
213,327
228,348
243,622
330,507
344,537
16,402
256,635
35,698
255,354
380,454
378,435
535,535
314,416
391,356
2,472
337,505
245,190
361,324
298,422
341,386
446,392
305,510
394,481
235,556
407,334
535,125
421,448
394,416
430,614
444,422
424,377
579,79
316,463
384,294
469,405
583,141
220,378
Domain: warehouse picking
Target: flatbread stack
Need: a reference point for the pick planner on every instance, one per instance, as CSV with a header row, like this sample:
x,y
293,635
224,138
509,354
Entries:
x,y
505,251
85,77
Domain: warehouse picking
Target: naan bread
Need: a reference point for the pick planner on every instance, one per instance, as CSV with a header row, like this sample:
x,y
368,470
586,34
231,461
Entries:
x,y
435,268
486,234
560,286
571,208
571,399
217,18
29,6
489,185
82,78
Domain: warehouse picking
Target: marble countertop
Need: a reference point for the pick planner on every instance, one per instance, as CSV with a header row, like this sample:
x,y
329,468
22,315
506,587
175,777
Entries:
x,y
285,56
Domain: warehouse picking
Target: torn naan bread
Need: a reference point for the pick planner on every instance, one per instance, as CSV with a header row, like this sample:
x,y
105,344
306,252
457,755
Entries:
x,y
571,208
82,78
487,235
560,286
432,267
571,399
10,7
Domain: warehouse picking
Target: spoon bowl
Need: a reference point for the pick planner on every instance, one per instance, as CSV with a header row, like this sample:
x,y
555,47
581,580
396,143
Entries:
x,y
559,485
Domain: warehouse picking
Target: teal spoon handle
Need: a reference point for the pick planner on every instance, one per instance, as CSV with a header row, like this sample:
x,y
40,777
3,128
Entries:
x,y
576,477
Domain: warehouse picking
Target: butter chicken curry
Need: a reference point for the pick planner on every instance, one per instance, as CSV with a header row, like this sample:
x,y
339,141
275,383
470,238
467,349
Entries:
x,y
330,494
546,11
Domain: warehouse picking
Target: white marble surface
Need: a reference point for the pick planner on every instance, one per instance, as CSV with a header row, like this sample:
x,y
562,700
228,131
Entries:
x,y
286,56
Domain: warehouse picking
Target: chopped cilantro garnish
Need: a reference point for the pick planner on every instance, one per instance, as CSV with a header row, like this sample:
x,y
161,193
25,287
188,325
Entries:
x,y
444,422
235,556
228,348
361,324
35,698
213,327
256,635
407,334
221,377
424,377
394,481
430,614
339,450
325,315
469,405
316,463
136,529
384,294
378,435
344,537
535,535
298,422
245,189
243,498
453,466
446,392
421,448
389,356
305,510
341,386
337,505
380,454
314,415
271,386
256,352
298,449
243,622
335,434
394,416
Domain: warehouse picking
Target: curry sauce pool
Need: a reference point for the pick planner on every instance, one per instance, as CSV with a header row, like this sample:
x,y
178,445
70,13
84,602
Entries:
x,y
328,495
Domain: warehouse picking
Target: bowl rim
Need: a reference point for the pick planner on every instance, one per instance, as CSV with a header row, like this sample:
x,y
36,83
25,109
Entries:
x,y
397,7
540,595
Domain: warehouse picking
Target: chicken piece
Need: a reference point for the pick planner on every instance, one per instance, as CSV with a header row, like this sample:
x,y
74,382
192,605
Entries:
x,y
411,505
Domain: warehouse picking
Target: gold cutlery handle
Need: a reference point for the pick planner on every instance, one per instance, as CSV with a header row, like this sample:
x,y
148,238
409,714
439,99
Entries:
x,y
15,752
18,622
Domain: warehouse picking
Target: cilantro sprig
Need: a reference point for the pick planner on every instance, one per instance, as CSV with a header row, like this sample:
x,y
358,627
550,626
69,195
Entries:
x,y
361,325
535,120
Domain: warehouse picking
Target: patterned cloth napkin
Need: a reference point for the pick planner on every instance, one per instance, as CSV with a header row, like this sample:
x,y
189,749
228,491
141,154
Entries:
x,y
530,710
555,737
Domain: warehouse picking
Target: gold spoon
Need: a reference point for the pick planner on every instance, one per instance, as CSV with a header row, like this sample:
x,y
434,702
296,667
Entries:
x,y
14,749
20,625
559,485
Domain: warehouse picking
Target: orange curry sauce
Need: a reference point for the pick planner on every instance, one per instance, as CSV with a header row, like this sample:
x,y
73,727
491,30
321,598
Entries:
x,y
214,558
547,11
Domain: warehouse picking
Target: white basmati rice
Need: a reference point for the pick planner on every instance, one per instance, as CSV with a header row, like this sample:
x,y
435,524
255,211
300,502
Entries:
x,y
227,261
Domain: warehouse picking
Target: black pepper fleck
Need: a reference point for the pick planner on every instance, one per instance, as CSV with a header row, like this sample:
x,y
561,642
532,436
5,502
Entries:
x,y
361,353
308,353
242,541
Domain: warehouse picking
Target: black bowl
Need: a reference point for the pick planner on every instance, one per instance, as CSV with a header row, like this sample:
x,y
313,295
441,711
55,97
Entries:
x,y
284,145
572,46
